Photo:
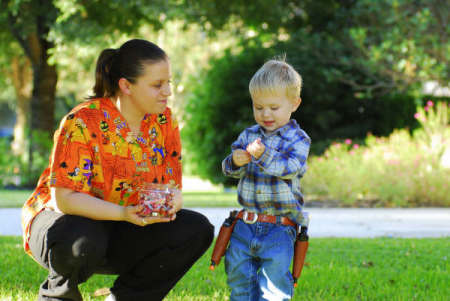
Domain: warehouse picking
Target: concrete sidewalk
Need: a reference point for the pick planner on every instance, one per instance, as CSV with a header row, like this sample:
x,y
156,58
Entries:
x,y
325,222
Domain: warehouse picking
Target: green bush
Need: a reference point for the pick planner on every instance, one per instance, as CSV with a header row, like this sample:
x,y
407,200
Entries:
x,y
220,105
16,171
9,164
400,170
218,110
332,108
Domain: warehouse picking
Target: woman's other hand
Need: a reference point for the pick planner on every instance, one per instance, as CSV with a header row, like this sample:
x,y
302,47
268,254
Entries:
x,y
131,215
177,204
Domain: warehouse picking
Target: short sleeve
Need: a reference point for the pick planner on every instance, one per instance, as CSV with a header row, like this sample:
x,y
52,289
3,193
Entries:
x,y
173,172
72,165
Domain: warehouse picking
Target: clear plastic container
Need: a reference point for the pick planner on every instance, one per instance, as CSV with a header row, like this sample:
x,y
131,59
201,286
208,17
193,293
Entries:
x,y
156,198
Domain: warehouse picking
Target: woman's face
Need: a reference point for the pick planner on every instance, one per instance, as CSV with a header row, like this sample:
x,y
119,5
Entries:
x,y
150,92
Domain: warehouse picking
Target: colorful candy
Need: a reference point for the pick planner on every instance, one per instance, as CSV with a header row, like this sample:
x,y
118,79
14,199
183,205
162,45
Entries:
x,y
156,198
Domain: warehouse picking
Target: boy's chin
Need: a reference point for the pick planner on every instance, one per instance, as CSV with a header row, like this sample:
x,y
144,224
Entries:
x,y
269,129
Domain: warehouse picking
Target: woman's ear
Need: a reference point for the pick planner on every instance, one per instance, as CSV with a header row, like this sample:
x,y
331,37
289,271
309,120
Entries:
x,y
124,86
296,104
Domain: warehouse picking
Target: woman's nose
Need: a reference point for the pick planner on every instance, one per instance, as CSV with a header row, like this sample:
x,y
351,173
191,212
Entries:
x,y
167,91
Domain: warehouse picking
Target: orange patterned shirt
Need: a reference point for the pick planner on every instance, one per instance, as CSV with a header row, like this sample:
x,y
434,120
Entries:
x,y
94,152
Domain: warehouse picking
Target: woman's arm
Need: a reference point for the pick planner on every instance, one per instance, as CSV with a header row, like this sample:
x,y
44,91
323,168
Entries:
x,y
82,204
78,203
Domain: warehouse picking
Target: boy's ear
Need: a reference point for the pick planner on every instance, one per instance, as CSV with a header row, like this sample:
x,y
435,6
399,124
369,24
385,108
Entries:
x,y
296,104
124,86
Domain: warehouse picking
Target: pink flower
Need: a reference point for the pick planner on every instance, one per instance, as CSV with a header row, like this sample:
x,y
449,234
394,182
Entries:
x,y
393,162
419,117
348,141
356,146
430,103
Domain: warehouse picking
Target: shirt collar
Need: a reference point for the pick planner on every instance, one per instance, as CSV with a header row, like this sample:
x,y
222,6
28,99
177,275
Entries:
x,y
284,131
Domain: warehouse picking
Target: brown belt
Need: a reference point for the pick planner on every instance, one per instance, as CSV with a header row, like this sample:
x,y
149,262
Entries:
x,y
251,218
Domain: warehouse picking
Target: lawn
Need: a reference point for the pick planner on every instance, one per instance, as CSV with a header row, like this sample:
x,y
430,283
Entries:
x,y
16,198
336,269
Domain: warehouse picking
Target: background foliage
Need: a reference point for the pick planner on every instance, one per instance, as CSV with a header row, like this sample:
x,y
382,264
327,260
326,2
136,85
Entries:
x,y
364,63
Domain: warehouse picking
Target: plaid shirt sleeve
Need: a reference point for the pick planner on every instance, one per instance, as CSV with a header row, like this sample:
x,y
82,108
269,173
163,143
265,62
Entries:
x,y
228,167
289,162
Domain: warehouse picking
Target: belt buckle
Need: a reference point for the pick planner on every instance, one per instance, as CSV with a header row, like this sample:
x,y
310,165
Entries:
x,y
245,216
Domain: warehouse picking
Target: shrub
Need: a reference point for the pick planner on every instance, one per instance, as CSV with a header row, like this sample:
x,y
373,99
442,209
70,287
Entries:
x,y
220,105
16,171
400,170
218,110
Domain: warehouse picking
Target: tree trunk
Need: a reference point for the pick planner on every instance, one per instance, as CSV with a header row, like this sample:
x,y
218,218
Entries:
x,y
44,85
21,77
30,25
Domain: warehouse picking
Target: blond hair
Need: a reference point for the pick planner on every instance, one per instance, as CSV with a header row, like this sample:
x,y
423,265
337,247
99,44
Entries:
x,y
275,77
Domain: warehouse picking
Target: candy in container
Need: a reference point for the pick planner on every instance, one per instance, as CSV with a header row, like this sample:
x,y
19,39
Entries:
x,y
156,198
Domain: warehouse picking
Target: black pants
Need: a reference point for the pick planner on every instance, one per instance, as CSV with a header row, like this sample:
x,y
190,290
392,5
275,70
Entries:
x,y
148,260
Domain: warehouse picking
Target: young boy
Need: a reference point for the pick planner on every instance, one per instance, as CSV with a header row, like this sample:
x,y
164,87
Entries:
x,y
269,158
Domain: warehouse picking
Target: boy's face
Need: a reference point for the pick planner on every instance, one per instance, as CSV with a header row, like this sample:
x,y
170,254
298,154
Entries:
x,y
273,111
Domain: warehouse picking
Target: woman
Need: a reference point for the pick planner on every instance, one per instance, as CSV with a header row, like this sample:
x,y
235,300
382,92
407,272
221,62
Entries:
x,y
83,217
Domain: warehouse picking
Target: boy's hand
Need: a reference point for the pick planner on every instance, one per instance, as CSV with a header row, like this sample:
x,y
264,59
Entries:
x,y
256,148
241,157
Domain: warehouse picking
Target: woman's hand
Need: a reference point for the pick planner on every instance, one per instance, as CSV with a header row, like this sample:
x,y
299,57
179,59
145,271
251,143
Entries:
x,y
177,203
131,215
76,203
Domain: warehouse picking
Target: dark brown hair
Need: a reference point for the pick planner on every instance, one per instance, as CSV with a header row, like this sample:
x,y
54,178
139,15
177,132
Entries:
x,y
127,62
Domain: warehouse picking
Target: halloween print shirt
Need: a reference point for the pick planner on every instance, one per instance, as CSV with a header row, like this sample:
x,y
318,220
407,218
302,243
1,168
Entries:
x,y
95,153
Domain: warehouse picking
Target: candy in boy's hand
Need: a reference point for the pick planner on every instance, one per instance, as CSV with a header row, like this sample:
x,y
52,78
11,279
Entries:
x,y
256,148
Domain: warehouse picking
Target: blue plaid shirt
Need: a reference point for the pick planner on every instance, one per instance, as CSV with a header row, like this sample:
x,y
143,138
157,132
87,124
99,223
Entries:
x,y
271,184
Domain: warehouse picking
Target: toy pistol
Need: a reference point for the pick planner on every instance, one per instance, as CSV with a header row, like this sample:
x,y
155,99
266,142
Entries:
x,y
223,239
300,249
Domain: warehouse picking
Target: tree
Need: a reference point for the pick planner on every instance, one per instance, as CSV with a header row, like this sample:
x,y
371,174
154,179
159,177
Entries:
x,y
38,26
17,77
29,23
395,44
398,45
344,82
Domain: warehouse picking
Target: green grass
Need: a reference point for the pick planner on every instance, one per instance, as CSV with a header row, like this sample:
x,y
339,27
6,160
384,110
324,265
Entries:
x,y
337,269
16,198
13,198
210,199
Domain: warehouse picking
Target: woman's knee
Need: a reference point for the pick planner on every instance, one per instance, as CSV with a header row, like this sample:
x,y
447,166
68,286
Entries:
x,y
200,224
82,254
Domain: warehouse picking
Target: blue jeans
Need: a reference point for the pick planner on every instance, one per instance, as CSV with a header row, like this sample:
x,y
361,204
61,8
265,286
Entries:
x,y
257,261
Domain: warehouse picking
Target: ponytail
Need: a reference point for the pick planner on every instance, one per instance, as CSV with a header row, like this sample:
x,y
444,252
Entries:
x,y
103,83
124,62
